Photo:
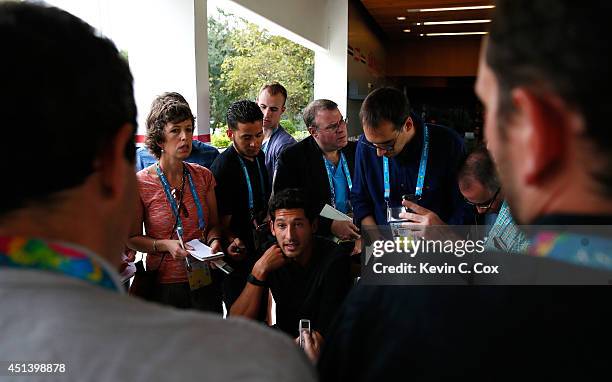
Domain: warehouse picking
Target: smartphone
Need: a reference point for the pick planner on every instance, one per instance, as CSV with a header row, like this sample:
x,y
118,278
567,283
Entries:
x,y
411,198
302,328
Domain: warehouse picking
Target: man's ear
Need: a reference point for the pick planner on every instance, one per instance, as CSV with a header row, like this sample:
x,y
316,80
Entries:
x,y
272,227
283,109
112,163
230,133
409,124
312,130
544,134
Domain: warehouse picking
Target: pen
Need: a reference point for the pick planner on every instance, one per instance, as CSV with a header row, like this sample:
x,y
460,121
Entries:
x,y
178,234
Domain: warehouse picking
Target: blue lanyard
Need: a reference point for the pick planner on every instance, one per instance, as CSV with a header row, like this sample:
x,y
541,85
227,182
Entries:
x,y
589,251
248,181
422,168
329,168
173,205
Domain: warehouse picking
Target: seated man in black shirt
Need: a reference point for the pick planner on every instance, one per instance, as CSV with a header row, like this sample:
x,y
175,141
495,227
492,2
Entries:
x,y
308,276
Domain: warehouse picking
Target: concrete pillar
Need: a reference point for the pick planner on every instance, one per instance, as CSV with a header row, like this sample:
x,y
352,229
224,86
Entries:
x,y
330,79
167,46
169,52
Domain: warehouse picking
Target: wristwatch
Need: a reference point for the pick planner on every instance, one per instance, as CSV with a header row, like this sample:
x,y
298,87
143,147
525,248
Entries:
x,y
255,281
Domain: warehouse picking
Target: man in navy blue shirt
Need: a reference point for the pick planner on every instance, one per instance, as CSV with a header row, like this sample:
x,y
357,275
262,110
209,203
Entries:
x,y
271,100
395,140
201,153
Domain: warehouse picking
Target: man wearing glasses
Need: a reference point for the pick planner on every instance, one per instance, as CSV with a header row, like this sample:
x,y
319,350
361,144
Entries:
x,y
398,156
322,165
480,186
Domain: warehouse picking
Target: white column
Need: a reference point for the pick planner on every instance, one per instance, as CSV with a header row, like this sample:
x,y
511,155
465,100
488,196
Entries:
x,y
330,78
201,56
169,52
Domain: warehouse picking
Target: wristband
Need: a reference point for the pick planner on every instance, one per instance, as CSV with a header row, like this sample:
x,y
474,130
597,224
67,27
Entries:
x,y
255,281
154,245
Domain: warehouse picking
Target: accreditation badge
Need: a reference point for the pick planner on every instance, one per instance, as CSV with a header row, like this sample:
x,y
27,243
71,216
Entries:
x,y
198,273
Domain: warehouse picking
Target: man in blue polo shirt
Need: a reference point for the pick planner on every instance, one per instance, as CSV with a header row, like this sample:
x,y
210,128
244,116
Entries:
x,y
201,153
399,155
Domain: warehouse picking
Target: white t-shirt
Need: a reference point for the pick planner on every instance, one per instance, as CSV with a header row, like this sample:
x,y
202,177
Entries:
x,y
102,335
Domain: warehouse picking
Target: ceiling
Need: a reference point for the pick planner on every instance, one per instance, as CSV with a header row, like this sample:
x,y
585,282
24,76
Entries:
x,y
385,13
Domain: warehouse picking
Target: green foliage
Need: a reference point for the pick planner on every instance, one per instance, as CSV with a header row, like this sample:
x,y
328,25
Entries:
x,y
219,47
219,138
288,125
300,134
243,57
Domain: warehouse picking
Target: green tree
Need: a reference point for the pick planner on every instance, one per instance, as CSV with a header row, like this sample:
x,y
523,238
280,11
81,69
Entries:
x,y
242,57
219,47
260,57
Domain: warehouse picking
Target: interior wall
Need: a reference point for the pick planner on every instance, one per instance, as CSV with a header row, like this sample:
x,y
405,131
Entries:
x,y
366,62
434,57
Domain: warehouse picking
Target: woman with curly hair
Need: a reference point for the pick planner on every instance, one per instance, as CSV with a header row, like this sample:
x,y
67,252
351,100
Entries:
x,y
176,196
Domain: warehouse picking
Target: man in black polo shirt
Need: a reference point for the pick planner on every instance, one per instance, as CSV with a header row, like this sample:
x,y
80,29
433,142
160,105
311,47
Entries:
x,y
242,192
308,276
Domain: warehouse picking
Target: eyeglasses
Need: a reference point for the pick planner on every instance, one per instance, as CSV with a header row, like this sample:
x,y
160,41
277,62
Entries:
x,y
486,204
334,128
388,147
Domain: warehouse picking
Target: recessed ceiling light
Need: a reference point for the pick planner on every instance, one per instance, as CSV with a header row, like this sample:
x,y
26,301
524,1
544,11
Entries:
x,y
452,8
401,18
421,35
455,34
407,30
456,22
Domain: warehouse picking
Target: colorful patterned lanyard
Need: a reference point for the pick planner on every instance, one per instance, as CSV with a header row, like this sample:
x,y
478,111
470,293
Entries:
x,y
23,253
330,170
172,201
583,250
422,169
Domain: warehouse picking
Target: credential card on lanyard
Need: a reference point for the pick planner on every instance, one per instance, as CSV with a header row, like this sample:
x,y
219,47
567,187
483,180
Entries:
x,y
330,177
420,177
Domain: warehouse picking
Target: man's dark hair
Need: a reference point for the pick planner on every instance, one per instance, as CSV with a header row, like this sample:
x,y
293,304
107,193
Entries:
x,y
385,104
291,198
66,92
275,88
560,47
479,166
243,111
310,112
166,108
